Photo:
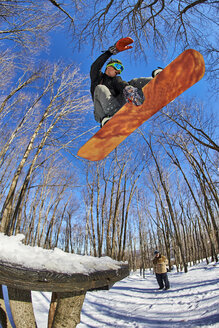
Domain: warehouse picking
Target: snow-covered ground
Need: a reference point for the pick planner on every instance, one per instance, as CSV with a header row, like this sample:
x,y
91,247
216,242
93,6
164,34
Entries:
x,y
134,302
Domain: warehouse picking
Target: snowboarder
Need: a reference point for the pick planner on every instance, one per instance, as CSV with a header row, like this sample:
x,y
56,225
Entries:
x,y
181,74
109,92
160,262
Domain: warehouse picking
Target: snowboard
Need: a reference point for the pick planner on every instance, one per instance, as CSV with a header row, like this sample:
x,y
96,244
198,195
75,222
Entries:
x,y
183,72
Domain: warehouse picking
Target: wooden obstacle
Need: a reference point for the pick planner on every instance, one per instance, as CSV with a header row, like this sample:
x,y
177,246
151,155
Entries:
x,y
68,293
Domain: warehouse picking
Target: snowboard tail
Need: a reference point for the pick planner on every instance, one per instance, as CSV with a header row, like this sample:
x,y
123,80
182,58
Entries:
x,y
182,73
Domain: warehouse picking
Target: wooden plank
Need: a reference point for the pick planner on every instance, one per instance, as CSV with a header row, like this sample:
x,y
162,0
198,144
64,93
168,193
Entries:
x,y
68,292
44,280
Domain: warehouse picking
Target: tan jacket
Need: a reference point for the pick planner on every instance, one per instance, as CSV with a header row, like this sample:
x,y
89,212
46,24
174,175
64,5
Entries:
x,y
160,264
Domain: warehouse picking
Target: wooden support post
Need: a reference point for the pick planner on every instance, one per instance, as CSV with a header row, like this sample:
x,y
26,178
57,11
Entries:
x,y
52,309
68,310
21,308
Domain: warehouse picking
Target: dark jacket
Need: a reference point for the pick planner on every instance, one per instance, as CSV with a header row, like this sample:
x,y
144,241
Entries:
x,y
114,84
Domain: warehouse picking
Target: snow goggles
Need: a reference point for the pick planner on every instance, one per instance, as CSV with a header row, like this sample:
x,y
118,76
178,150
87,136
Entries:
x,y
117,66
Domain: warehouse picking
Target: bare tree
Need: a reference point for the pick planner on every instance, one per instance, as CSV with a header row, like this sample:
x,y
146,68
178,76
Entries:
x,y
156,23
26,23
65,99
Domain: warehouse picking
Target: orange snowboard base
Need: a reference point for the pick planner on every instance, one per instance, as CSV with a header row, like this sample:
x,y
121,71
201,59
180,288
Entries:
x,y
183,72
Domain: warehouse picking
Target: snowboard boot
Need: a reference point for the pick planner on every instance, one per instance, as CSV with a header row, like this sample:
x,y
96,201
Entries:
x,y
156,71
105,120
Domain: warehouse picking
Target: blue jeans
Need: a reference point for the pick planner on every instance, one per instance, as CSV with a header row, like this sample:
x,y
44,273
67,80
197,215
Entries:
x,y
162,280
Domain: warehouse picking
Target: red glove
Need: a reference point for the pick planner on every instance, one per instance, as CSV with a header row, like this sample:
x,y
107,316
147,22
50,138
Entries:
x,y
123,44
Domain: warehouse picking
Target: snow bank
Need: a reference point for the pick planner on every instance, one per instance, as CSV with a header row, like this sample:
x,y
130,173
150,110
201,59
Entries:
x,y
14,252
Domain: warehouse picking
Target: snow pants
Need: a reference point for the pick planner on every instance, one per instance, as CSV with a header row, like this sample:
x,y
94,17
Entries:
x,y
105,104
162,280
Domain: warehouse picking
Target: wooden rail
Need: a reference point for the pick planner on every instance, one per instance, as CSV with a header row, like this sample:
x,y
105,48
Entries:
x,y
68,293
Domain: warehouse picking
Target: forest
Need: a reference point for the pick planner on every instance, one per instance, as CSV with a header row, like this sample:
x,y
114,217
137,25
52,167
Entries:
x,y
159,189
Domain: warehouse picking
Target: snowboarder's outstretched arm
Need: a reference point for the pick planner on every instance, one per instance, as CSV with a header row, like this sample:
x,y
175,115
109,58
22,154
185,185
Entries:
x,y
96,67
121,45
95,71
